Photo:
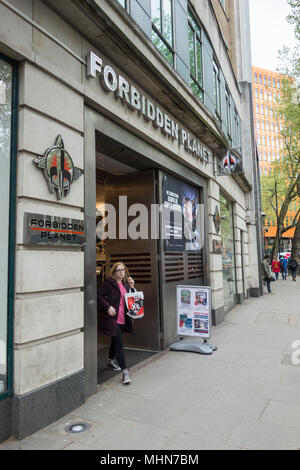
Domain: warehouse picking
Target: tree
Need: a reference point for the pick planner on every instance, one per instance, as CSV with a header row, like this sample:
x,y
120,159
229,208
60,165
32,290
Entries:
x,y
288,114
282,186
278,191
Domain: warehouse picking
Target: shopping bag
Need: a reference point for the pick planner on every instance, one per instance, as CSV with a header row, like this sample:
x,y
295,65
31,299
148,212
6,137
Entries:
x,y
135,304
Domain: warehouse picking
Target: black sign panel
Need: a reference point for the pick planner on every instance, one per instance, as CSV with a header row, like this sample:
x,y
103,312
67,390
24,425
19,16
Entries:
x,y
52,230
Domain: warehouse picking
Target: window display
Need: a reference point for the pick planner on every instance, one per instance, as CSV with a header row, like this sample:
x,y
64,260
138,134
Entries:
x,y
228,255
5,151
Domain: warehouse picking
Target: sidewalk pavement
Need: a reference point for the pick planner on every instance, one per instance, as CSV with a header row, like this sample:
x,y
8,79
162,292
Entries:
x,y
244,396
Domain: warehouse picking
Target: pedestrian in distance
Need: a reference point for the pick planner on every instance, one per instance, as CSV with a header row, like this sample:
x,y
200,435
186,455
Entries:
x,y
276,267
283,267
267,273
112,315
293,267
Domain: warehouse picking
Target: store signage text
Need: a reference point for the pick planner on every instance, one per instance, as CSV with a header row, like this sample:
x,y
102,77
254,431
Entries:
x,y
51,230
113,82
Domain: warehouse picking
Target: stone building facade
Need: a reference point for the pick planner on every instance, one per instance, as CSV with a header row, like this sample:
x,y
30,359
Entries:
x,y
148,98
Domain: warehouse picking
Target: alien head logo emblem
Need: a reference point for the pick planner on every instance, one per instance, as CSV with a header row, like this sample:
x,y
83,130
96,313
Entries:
x,y
217,219
229,163
58,168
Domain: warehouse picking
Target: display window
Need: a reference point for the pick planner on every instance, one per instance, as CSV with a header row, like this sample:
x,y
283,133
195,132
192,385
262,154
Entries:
x,y
228,255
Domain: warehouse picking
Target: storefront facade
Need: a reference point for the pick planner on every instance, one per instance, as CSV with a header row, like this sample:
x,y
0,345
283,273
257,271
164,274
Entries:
x,y
106,119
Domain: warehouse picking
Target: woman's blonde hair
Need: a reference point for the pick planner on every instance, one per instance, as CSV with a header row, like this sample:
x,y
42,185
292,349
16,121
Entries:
x,y
114,267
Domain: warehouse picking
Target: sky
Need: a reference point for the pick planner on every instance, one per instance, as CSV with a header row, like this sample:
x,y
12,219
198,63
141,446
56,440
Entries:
x,y
269,31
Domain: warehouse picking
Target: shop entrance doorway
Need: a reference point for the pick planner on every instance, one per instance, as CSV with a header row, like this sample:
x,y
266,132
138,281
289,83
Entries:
x,y
121,191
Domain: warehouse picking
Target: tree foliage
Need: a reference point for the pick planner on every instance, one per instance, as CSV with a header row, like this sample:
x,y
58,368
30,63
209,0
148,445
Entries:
x,y
282,186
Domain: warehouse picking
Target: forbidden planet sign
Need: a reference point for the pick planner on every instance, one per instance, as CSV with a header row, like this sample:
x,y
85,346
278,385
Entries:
x,y
52,230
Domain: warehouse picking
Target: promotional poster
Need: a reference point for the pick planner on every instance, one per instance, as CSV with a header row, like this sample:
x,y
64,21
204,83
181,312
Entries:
x,y
181,206
193,311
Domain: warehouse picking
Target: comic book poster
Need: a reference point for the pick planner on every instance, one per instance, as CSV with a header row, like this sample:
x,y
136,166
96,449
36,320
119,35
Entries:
x,y
193,311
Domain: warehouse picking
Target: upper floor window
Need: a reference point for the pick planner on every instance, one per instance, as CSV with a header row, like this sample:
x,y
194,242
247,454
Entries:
x,y
195,53
124,3
260,80
217,94
162,28
228,112
255,77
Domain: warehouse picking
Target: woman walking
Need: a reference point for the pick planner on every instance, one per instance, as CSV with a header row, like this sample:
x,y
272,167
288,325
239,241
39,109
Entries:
x,y
113,319
276,267
293,266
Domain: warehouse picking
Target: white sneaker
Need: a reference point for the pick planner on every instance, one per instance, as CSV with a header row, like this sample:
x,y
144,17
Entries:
x,y
126,378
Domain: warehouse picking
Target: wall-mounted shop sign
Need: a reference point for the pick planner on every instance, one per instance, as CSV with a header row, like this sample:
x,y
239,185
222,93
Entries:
x,y
230,164
217,219
58,168
217,246
51,230
123,90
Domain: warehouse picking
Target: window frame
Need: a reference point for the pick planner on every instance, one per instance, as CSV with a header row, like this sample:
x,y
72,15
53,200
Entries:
x,y
197,36
223,4
127,5
228,114
217,90
160,34
12,225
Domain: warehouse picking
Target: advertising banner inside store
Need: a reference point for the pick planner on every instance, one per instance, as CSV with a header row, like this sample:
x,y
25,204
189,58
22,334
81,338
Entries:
x,y
182,216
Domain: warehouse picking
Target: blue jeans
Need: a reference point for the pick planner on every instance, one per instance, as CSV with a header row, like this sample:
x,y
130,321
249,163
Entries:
x,y
268,281
284,273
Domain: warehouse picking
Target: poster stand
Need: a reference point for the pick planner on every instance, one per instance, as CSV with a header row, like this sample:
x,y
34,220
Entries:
x,y
193,309
193,346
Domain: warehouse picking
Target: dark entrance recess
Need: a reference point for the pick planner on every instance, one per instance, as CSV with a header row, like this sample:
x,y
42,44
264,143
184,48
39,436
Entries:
x,y
119,173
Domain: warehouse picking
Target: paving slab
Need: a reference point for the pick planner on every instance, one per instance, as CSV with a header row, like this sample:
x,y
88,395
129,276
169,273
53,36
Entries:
x,y
243,396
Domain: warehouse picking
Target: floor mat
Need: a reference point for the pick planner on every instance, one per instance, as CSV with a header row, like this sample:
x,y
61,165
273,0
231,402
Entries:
x,y
133,357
